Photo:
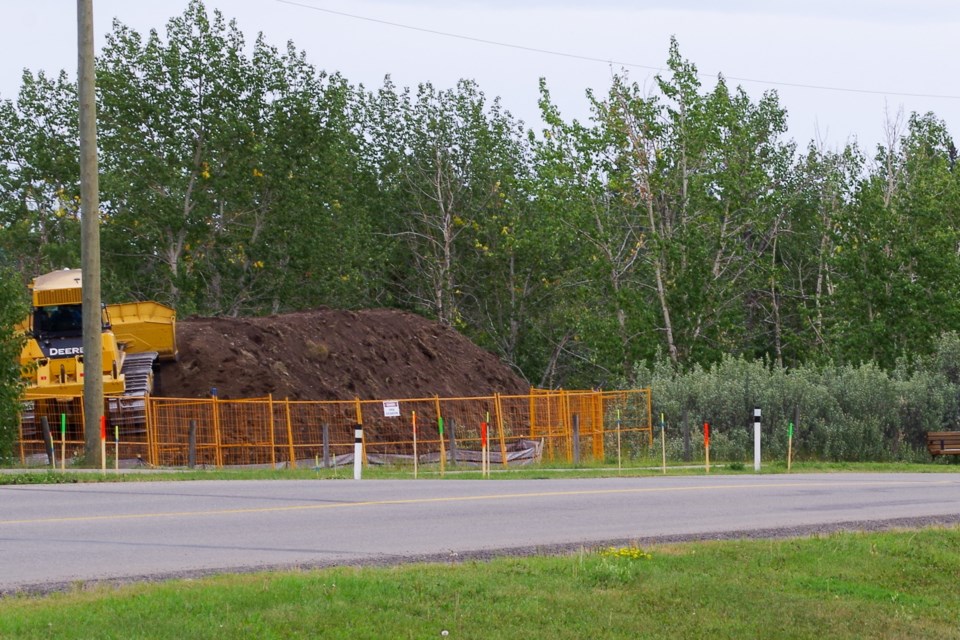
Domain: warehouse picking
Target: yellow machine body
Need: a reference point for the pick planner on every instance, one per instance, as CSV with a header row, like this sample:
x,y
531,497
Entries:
x,y
52,358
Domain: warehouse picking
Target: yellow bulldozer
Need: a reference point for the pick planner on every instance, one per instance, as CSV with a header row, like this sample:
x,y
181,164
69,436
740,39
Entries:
x,y
136,335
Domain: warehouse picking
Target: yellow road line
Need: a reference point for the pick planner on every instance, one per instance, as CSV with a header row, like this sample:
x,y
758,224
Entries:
x,y
493,496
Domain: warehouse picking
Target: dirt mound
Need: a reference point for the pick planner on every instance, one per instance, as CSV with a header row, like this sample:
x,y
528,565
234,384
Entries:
x,y
331,355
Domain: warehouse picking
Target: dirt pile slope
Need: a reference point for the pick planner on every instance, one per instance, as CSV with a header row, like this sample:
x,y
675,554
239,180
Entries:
x,y
331,355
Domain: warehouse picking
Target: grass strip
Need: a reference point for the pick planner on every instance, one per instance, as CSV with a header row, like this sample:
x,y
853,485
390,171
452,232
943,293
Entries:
x,y
544,471
882,585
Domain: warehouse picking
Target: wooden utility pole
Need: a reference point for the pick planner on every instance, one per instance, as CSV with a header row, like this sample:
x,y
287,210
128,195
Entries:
x,y
89,237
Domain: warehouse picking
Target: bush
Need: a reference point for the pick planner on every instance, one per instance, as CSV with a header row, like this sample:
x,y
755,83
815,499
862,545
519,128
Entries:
x,y
843,412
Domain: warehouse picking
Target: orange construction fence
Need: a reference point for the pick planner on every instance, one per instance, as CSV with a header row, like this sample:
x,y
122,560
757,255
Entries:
x,y
178,432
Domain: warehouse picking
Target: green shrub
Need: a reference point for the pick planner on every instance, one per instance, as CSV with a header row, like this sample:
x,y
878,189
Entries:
x,y
842,412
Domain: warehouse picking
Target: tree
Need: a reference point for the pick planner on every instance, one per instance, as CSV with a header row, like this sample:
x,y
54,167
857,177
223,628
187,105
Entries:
x,y
39,176
226,176
674,201
897,250
446,158
13,310
587,184
718,213
821,188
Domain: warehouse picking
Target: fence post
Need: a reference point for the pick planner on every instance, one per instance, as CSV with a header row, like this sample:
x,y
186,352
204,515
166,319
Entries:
x,y
326,445
533,416
576,439
47,441
23,459
273,433
453,441
218,441
596,403
503,442
292,452
357,451
650,416
153,455
756,438
359,408
547,400
192,445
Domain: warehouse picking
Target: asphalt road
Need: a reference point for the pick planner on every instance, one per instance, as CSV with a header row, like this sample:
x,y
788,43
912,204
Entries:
x,y
52,536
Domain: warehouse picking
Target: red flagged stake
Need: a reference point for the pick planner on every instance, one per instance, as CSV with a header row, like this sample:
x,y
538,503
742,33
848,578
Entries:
x,y
484,451
416,458
103,443
706,444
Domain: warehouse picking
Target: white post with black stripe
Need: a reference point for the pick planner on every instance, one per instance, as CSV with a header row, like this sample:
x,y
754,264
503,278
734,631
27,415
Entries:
x,y
756,439
357,451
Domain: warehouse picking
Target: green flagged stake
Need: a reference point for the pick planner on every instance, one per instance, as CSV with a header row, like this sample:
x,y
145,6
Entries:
x,y
789,447
440,425
63,442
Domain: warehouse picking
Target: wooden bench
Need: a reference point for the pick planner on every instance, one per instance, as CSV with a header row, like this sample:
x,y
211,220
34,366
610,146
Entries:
x,y
943,443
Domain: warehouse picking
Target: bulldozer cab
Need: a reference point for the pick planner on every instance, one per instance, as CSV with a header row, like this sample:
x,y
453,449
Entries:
x,y
62,321
65,320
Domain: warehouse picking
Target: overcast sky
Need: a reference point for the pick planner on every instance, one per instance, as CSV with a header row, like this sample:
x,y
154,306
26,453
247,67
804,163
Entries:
x,y
876,56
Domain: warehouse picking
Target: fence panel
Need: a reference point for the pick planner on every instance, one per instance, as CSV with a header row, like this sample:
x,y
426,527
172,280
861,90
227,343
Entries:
x,y
268,431
307,421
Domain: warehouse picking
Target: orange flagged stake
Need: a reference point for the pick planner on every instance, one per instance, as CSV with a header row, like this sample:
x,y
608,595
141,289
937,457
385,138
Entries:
x,y
706,443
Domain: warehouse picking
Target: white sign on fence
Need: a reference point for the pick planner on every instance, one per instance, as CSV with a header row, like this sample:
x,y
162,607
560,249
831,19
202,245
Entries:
x,y
391,408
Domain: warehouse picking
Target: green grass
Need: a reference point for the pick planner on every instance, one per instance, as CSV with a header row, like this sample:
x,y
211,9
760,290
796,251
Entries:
x,y
636,468
889,585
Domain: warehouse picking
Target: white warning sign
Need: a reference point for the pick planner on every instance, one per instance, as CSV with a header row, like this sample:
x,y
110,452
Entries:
x,y
391,408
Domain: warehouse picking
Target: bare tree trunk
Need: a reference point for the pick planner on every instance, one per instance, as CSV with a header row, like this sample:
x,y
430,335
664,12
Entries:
x,y
546,381
818,293
514,335
661,291
893,131
641,155
176,241
777,327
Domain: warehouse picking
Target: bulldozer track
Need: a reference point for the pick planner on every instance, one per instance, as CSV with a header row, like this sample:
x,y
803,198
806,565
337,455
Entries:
x,y
128,412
